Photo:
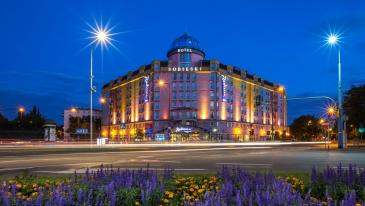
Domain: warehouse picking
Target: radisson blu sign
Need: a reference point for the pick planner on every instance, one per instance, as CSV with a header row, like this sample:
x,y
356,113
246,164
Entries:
x,y
146,89
224,88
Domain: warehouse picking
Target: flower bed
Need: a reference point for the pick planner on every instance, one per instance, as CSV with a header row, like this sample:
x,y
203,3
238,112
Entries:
x,y
231,186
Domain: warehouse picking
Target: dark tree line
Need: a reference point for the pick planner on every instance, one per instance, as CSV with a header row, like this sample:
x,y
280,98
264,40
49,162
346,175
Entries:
x,y
306,127
33,120
83,122
354,107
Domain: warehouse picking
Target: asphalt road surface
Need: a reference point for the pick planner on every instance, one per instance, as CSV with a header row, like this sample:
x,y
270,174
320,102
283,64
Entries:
x,y
202,158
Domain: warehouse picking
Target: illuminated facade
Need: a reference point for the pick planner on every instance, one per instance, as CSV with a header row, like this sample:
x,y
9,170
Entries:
x,y
187,97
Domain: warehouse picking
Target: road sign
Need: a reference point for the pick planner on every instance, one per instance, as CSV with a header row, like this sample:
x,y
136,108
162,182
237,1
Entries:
x,y
82,131
122,126
361,130
149,131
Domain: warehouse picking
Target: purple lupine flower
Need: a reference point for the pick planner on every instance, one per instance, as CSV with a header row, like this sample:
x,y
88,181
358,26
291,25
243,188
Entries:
x,y
238,198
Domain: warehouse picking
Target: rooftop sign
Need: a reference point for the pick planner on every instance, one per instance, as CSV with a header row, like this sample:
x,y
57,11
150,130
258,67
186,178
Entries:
x,y
184,69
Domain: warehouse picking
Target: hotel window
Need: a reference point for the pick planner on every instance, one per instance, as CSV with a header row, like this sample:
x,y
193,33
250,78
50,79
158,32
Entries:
x,y
157,115
157,106
194,85
173,115
187,115
173,85
194,115
173,103
180,115
175,76
157,67
181,85
211,105
157,95
181,95
187,95
194,104
188,76
187,103
211,85
185,59
181,103
194,76
181,76
212,67
212,76
194,95
187,85
157,76
174,95
211,94
211,115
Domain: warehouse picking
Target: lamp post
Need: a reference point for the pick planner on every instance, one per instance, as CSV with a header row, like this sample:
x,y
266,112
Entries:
x,y
101,36
21,110
333,40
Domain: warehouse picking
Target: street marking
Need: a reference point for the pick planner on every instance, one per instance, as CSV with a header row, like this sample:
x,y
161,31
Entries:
x,y
128,152
246,164
162,145
16,168
142,157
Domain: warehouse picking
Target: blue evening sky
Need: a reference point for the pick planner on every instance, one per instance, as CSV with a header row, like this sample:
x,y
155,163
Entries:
x,y
42,61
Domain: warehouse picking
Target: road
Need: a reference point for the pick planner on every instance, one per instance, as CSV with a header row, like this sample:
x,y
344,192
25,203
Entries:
x,y
185,158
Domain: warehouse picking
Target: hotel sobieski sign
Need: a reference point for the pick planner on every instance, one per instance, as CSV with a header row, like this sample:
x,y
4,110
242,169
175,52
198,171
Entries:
x,y
184,69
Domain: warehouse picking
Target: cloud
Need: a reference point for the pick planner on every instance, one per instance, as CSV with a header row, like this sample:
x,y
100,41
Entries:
x,y
61,76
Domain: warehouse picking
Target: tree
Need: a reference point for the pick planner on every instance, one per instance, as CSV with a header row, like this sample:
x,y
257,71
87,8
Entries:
x,y
4,123
305,127
354,106
83,122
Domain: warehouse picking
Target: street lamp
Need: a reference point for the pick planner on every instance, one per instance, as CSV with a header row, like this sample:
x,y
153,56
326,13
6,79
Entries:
x,y
101,36
102,100
21,110
73,110
331,110
333,40
281,88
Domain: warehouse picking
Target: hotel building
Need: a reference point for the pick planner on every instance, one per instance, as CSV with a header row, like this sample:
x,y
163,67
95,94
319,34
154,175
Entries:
x,y
188,97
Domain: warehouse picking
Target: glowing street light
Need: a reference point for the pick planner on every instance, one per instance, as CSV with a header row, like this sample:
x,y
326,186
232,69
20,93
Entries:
x,y
21,110
331,110
333,40
321,121
101,35
73,110
102,100
281,88
161,83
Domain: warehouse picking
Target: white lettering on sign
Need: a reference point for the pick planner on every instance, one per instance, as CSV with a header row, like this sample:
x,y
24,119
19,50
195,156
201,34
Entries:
x,y
184,50
183,129
147,86
224,88
184,69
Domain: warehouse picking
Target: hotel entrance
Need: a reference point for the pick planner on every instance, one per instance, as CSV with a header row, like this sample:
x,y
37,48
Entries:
x,y
185,137
184,134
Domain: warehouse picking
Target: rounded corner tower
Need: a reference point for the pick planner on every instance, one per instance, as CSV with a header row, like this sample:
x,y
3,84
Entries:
x,y
185,52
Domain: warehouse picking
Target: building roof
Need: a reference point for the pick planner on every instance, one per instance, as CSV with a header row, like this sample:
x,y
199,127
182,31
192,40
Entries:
x,y
185,41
